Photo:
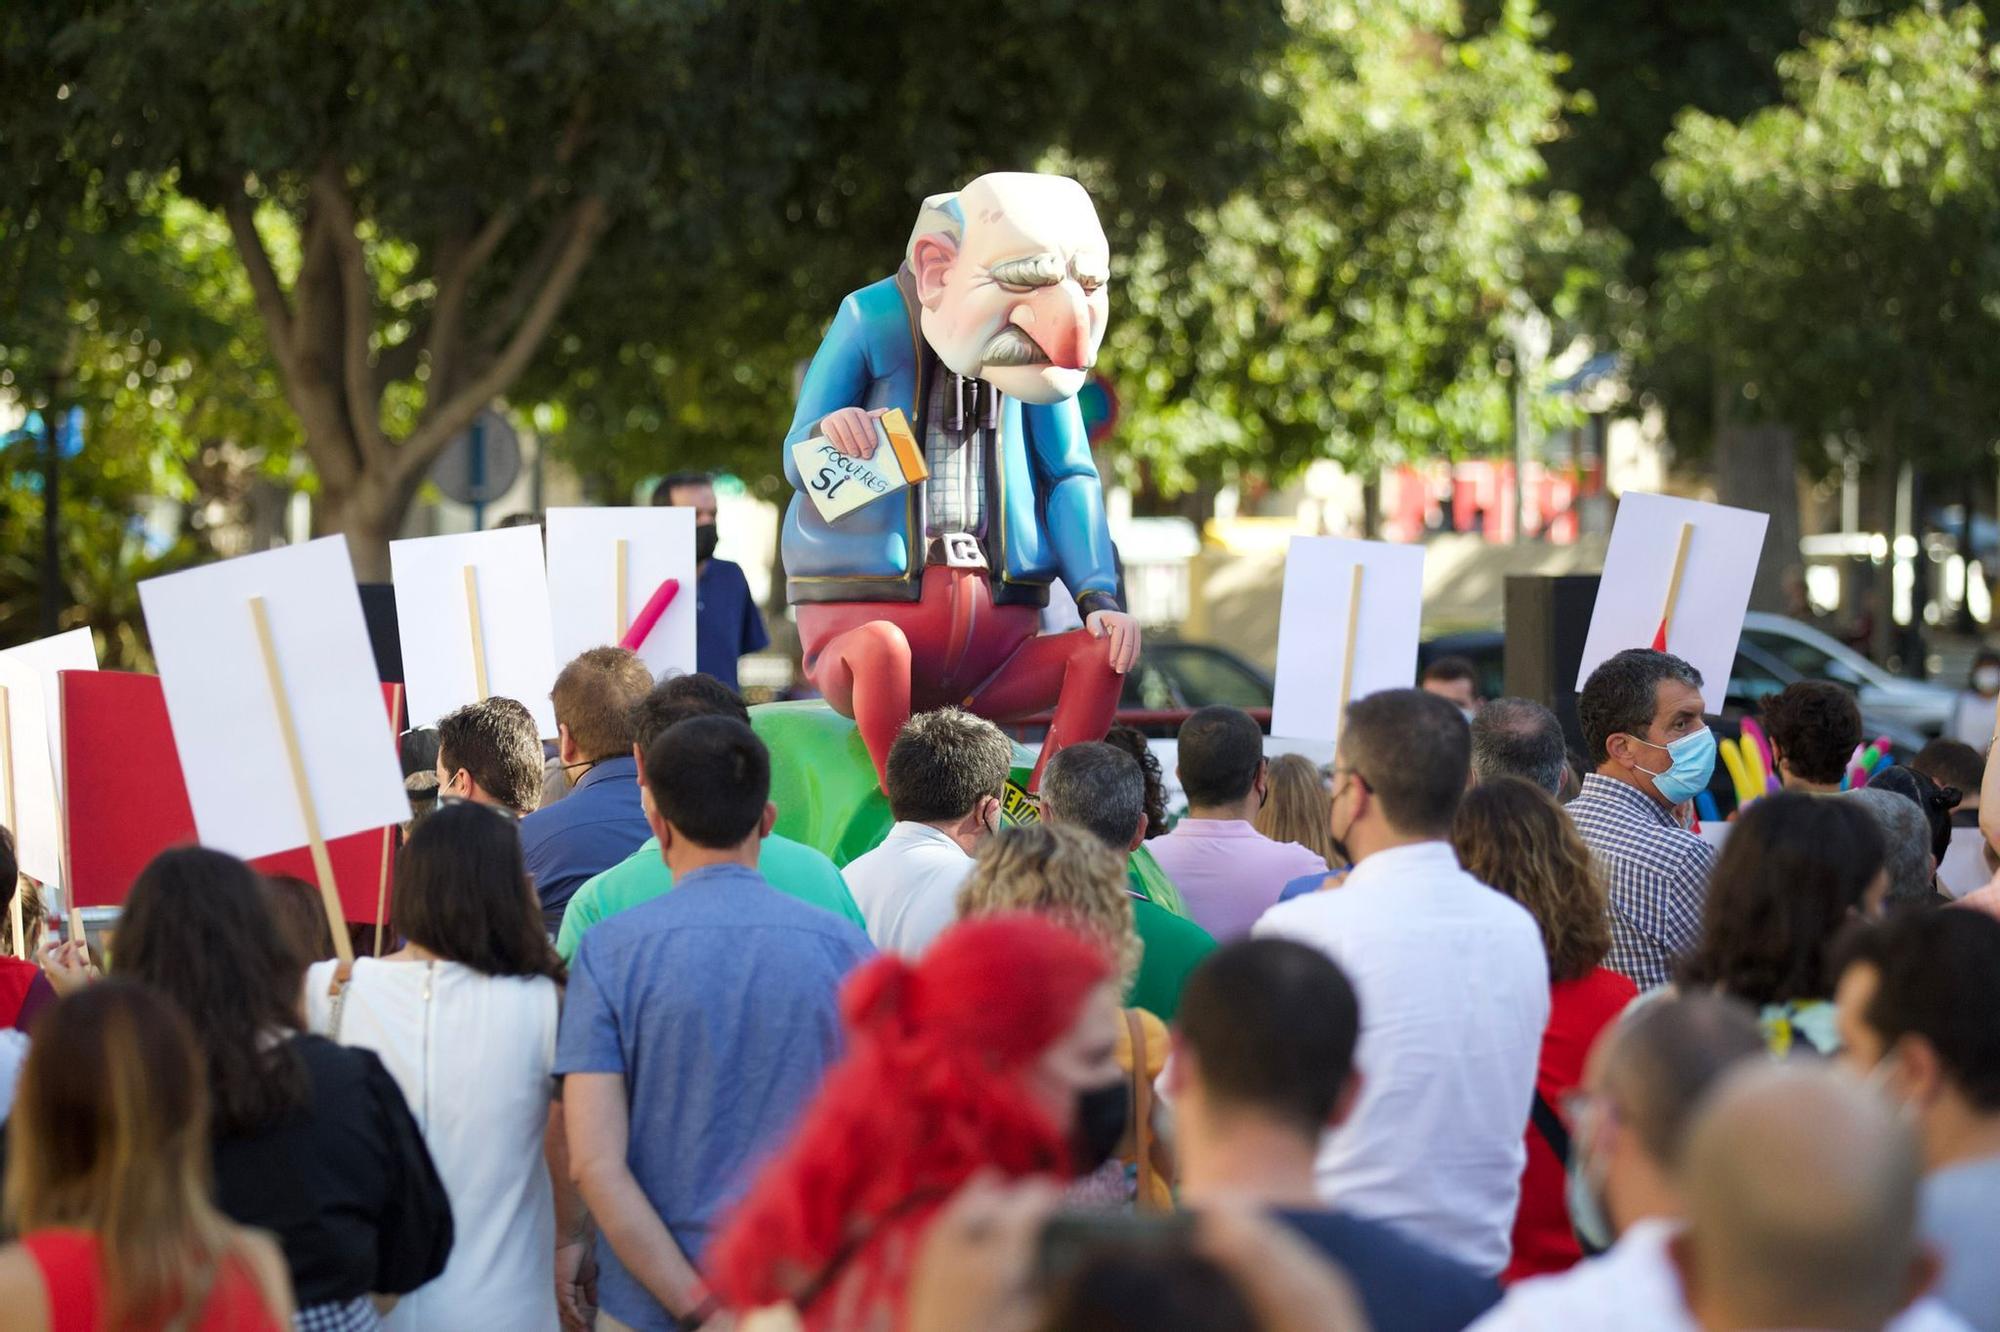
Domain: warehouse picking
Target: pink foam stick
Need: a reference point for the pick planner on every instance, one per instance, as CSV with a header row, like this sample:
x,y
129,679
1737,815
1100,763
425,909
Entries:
x,y
649,614
1756,734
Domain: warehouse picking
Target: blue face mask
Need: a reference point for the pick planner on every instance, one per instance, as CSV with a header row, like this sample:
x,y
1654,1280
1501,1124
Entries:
x,y
1693,763
1586,1213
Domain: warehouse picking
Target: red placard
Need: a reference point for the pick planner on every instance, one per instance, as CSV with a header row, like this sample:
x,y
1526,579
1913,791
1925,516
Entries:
x,y
125,801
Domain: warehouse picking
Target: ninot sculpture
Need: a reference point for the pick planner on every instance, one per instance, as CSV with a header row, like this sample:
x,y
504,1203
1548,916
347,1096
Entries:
x,y
962,369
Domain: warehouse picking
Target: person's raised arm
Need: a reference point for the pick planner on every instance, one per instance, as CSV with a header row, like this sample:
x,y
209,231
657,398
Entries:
x,y
598,1132
1989,792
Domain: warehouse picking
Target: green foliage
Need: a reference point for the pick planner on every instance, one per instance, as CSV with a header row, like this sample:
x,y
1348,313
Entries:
x,y
1847,265
1350,301
140,318
1630,67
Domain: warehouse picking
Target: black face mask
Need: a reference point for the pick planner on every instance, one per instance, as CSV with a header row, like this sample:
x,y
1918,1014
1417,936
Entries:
x,y
704,542
1101,1116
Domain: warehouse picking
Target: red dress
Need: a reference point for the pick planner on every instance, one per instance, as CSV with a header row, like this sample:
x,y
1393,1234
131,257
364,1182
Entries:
x,y
24,992
1578,1011
75,1286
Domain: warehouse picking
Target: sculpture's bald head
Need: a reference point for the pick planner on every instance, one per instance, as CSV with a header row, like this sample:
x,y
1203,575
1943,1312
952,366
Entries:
x,y
1801,1191
1011,274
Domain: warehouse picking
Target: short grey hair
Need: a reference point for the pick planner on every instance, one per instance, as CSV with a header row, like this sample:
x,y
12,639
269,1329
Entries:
x,y
1518,737
941,215
1098,788
1906,843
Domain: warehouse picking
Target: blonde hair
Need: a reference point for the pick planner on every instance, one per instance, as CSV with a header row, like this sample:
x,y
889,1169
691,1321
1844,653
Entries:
x,y
110,1134
1060,872
1299,808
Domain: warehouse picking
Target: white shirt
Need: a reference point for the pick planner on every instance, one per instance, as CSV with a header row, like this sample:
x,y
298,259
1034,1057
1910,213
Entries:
x,y
907,888
1454,992
1633,1287
474,1055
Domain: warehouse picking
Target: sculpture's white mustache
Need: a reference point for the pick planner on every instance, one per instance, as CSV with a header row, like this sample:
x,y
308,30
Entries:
x,y
1010,346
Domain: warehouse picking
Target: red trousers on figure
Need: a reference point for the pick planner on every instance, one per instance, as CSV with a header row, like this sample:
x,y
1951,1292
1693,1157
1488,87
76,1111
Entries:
x,y
880,661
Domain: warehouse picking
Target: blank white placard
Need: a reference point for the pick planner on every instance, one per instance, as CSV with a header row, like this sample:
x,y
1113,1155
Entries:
x,y
583,580
75,650
1312,629
31,808
1724,545
434,621
225,716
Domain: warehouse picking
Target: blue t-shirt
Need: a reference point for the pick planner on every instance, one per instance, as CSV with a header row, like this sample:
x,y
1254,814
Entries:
x,y
1404,1286
598,824
1305,883
719,1004
726,622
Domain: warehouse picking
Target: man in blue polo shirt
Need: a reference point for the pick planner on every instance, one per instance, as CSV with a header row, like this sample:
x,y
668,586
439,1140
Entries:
x,y
600,822
697,1026
726,624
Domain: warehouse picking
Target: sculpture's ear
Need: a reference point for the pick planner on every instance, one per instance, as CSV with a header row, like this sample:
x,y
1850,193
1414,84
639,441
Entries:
x,y
931,259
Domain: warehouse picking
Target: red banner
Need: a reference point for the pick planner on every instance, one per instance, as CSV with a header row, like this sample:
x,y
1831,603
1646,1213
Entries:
x,y
125,801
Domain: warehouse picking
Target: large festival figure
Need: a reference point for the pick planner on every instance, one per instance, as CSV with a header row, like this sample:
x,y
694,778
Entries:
x,y
930,596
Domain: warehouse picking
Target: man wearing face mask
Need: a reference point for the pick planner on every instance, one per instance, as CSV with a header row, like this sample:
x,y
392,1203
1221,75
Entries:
x,y
1641,713
1644,1082
727,623
1916,1006
1453,985
947,770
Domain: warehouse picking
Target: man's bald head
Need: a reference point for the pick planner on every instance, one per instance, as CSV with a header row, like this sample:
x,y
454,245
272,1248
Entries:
x,y
1801,1191
1010,276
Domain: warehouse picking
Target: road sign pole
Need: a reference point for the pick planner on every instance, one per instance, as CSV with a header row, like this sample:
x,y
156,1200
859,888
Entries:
x,y
476,473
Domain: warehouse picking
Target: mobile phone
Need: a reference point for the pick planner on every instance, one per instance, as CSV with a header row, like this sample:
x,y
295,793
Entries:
x,y
1071,1239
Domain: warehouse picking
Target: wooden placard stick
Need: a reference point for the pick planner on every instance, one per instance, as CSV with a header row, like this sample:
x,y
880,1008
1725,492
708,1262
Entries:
x,y
13,828
621,559
329,892
388,834
1353,633
1673,587
478,632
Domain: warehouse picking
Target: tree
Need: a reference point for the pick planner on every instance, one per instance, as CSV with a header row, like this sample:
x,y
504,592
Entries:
x,y
142,326
449,170
1847,268
1349,301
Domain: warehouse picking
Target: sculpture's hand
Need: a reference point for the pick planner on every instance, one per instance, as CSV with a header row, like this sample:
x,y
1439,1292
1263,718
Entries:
x,y
852,430
1123,632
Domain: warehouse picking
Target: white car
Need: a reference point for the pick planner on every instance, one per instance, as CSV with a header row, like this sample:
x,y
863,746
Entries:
x,y
1921,705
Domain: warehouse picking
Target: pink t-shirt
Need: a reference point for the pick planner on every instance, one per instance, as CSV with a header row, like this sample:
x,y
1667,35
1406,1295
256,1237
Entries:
x,y
1229,873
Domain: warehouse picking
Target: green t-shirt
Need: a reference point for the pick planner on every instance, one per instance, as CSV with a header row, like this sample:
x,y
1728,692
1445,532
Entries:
x,y
790,867
1171,948
1147,880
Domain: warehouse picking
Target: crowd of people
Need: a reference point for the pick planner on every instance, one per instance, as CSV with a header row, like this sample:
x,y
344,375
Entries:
x,y
1444,1035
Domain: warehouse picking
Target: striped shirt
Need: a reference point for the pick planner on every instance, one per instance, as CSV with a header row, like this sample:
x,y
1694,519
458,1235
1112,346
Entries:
x,y
1656,872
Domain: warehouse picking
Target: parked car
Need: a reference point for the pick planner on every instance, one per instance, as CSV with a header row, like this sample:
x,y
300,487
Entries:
x,y
1755,675
1920,705
1172,678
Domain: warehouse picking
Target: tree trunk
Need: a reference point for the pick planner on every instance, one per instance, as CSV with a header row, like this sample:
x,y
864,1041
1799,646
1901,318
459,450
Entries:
x,y
1756,467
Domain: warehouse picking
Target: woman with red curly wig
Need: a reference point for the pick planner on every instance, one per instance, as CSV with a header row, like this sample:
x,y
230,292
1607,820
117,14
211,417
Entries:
x,y
994,1051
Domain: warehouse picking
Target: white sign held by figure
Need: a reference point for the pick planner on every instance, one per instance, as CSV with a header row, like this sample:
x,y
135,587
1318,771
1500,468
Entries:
x,y
1677,577
1347,628
608,575
30,728
472,611
270,686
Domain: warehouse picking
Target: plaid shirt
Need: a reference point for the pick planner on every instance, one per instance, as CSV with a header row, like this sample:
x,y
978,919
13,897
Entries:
x,y
1656,871
955,496
355,1315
